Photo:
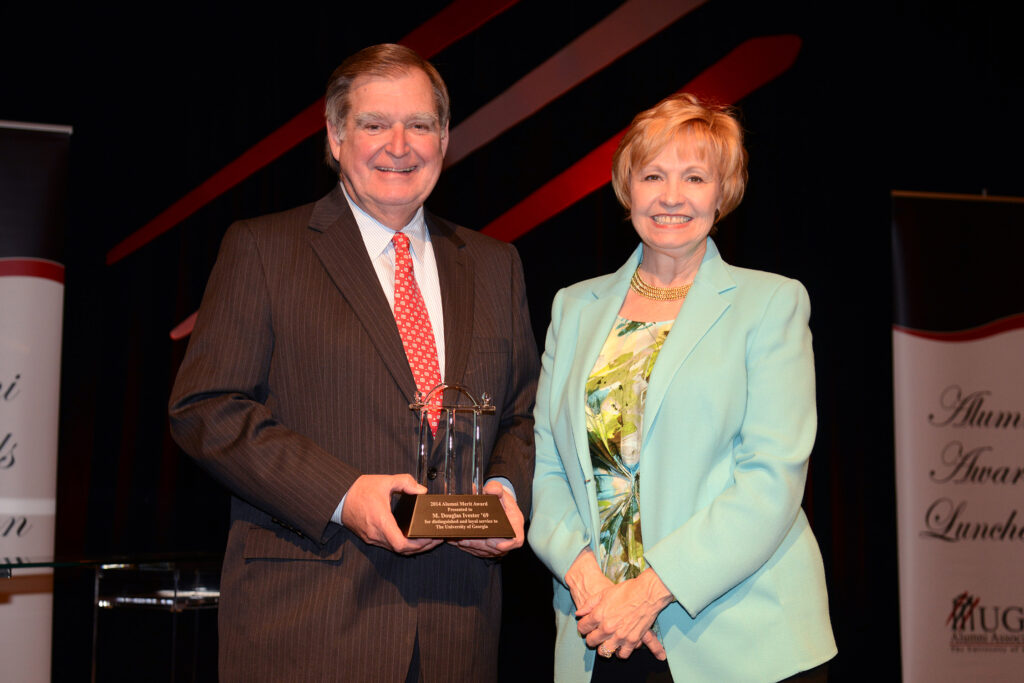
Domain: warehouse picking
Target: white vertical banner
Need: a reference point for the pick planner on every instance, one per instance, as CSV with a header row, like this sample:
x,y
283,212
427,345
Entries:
x,y
33,163
958,383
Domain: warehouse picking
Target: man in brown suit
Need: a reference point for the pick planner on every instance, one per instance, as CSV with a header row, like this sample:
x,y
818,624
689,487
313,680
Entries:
x,y
295,390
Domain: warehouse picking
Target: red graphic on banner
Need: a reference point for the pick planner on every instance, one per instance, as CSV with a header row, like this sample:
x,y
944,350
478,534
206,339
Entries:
x,y
32,267
1013,322
963,608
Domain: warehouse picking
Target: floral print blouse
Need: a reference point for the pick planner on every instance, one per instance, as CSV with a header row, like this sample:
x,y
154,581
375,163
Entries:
x,y
615,393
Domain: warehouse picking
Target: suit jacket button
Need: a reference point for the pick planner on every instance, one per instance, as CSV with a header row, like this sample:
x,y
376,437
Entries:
x,y
432,473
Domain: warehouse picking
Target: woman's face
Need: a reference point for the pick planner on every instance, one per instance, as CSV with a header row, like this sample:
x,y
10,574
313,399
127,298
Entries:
x,y
674,199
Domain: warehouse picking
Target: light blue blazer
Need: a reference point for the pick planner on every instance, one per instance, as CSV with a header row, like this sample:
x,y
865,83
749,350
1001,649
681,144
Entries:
x,y
728,425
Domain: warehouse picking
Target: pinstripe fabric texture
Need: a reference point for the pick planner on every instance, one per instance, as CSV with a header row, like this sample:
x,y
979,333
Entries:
x,y
295,383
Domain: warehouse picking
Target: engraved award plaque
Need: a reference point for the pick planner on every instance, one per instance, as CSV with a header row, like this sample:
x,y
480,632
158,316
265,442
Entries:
x,y
462,510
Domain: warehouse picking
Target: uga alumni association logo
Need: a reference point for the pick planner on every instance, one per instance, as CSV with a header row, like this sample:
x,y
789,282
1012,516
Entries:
x,y
978,628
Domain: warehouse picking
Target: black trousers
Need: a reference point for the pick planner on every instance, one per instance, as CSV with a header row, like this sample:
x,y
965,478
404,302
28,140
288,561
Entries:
x,y
643,667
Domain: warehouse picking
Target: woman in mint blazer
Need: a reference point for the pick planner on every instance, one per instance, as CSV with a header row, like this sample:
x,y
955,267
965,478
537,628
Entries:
x,y
675,416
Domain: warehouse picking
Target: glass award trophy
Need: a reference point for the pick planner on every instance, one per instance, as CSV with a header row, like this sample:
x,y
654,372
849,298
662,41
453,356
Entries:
x,y
462,510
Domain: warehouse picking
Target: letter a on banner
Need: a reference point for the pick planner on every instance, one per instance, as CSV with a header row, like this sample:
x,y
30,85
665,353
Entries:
x,y
33,170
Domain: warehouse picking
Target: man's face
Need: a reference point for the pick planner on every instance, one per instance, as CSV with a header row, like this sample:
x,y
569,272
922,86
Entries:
x,y
392,147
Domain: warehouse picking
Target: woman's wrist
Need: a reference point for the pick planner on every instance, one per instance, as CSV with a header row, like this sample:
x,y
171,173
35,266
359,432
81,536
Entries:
x,y
584,561
655,589
584,576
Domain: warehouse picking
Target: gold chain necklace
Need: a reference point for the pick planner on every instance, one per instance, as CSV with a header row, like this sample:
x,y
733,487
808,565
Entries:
x,y
647,291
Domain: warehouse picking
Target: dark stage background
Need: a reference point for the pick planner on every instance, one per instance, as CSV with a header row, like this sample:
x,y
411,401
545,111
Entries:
x,y
901,95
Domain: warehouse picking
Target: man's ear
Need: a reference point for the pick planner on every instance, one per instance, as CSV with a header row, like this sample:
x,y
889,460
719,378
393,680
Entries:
x,y
334,140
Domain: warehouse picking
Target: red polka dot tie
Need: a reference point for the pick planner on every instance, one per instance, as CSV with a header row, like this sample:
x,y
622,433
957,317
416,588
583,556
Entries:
x,y
415,329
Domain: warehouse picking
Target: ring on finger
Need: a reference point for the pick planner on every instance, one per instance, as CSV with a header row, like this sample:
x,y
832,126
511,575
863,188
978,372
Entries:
x,y
605,652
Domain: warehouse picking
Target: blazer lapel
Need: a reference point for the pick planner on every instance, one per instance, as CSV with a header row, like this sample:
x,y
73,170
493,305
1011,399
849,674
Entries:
x,y
335,238
704,305
455,274
596,319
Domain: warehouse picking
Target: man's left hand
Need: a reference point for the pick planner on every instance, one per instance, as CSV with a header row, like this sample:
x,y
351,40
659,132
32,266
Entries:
x,y
496,547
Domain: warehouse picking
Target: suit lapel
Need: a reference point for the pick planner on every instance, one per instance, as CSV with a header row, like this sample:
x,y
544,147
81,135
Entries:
x,y
335,238
704,305
455,274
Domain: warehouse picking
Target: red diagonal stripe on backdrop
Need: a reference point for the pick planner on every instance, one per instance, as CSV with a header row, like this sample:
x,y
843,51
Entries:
x,y
184,328
755,62
456,20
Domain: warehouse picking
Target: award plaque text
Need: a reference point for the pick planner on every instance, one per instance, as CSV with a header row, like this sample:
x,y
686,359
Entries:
x,y
462,510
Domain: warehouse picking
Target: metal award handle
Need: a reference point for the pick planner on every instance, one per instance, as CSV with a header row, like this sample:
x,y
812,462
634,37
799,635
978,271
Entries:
x,y
420,405
448,412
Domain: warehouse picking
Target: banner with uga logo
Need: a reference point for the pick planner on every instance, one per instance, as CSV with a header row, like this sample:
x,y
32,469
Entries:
x,y
958,381
33,170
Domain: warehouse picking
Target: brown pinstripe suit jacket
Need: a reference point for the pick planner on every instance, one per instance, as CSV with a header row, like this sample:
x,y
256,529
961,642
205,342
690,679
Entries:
x,y
295,383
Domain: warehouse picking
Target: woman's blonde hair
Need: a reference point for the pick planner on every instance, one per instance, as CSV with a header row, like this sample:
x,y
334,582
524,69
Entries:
x,y
712,128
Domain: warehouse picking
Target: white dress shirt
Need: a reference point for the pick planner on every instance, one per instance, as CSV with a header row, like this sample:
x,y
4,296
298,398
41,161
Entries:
x,y
380,249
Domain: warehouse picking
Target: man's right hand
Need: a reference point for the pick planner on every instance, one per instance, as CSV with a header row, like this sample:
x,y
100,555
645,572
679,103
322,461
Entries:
x,y
367,512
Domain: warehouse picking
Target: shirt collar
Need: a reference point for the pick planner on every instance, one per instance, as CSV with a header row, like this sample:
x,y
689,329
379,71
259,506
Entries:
x,y
377,236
